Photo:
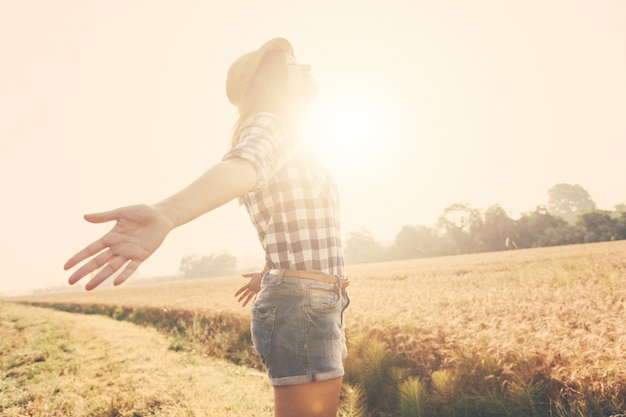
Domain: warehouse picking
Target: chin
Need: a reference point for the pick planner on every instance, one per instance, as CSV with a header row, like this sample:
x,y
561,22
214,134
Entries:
x,y
305,97
311,93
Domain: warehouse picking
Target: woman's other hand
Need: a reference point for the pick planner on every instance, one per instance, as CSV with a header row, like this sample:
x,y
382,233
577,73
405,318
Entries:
x,y
250,290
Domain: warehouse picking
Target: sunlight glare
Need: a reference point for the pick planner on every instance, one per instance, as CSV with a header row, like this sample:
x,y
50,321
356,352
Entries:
x,y
348,130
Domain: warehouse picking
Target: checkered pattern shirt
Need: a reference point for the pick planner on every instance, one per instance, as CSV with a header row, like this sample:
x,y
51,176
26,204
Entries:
x,y
295,204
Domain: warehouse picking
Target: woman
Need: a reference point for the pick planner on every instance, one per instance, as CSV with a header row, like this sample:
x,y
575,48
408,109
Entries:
x,y
297,317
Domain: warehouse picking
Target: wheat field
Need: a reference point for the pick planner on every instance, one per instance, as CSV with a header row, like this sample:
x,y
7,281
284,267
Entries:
x,y
563,308
551,313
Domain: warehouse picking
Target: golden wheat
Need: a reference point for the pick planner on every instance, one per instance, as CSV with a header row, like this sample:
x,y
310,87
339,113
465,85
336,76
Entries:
x,y
557,312
566,305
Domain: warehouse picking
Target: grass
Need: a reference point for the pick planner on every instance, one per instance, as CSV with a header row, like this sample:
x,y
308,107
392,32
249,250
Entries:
x,y
518,333
61,364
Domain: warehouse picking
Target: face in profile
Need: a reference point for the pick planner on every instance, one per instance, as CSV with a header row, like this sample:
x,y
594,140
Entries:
x,y
300,85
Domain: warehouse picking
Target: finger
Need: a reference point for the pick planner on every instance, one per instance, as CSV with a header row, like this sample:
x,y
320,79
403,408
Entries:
x,y
90,250
250,275
127,272
250,297
240,290
91,266
111,268
243,295
102,217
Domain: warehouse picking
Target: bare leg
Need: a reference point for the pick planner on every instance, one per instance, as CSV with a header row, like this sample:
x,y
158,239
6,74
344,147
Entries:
x,y
313,399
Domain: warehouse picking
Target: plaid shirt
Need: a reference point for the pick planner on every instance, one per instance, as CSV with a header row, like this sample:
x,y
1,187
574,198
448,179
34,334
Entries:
x,y
295,204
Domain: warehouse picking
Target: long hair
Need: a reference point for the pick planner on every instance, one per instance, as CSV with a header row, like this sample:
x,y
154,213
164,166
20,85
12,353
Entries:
x,y
266,93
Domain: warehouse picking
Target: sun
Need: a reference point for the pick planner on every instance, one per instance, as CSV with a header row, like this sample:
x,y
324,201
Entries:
x,y
348,129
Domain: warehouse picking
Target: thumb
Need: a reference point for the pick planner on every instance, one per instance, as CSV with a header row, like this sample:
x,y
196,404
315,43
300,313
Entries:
x,y
102,217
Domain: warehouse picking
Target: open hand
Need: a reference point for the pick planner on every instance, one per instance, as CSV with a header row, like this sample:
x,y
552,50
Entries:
x,y
139,230
250,290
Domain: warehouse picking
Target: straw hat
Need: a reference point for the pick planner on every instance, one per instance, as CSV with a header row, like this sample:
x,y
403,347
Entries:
x,y
243,69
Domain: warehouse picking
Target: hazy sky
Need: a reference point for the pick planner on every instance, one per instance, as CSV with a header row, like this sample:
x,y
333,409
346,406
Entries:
x,y
426,103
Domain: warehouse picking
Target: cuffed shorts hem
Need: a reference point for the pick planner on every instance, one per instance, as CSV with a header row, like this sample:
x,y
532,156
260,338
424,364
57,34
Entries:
x,y
303,379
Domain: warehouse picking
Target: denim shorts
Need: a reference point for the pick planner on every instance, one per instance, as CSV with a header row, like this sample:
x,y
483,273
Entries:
x,y
298,329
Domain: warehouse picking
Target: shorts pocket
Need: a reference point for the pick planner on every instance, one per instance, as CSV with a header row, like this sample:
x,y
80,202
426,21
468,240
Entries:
x,y
323,313
262,329
323,299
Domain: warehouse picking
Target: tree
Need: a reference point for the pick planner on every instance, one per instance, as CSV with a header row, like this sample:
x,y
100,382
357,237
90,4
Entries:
x,y
194,266
539,228
567,201
620,226
360,247
416,242
496,229
460,222
599,226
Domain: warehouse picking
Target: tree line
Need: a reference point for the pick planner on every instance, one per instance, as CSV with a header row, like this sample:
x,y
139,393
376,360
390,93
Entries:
x,y
570,217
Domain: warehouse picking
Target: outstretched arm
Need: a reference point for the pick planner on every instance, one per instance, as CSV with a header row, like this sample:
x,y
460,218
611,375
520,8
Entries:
x,y
139,230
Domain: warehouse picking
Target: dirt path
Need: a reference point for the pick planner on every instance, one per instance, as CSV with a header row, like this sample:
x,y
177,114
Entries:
x,y
55,363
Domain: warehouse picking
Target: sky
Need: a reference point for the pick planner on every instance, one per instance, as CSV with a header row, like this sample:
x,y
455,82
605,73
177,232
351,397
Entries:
x,y
422,104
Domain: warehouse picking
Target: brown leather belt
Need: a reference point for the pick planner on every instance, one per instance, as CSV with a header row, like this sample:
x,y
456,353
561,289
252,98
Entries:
x,y
317,276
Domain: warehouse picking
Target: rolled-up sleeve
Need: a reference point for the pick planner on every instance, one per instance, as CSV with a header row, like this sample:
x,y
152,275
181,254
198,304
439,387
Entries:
x,y
262,143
